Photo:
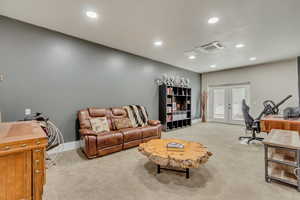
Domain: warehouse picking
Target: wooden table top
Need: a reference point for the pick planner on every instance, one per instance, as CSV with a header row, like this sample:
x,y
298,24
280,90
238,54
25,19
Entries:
x,y
193,155
12,132
279,118
283,138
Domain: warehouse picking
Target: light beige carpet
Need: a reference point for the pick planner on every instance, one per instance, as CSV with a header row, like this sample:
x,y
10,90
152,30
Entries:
x,y
235,171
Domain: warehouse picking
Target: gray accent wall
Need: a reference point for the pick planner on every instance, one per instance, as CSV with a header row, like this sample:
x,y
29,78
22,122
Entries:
x,y
58,75
298,70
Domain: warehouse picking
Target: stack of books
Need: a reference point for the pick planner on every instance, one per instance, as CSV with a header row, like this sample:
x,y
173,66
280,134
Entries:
x,y
173,146
169,91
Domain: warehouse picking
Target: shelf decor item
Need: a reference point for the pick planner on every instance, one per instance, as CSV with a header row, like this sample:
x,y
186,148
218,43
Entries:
x,y
172,80
203,104
174,106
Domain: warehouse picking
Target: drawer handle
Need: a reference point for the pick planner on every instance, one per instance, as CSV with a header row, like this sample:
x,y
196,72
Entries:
x,y
23,145
37,150
7,148
37,161
38,143
37,171
296,171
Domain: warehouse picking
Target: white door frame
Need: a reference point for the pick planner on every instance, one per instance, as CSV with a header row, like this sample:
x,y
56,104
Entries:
x,y
247,86
211,102
228,101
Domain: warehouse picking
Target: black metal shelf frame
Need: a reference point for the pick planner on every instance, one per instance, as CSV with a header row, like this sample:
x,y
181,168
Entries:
x,y
170,96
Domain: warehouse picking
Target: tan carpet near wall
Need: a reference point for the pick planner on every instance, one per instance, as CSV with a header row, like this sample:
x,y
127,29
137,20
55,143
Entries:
x,y
235,172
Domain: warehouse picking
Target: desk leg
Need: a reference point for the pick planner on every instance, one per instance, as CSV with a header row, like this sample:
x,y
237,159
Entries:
x,y
266,165
298,174
158,169
187,173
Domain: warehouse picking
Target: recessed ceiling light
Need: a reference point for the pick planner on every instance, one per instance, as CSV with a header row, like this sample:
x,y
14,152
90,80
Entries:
x,y
239,46
213,66
252,58
192,57
158,43
91,14
213,20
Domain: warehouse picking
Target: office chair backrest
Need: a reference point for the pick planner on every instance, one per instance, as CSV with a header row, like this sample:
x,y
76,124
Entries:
x,y
247,117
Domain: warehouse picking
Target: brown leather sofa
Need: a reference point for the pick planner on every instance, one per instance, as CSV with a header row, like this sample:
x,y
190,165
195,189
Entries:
x,y
98,144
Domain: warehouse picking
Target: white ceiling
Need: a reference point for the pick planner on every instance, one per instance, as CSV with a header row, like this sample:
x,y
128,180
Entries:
x,y
270,29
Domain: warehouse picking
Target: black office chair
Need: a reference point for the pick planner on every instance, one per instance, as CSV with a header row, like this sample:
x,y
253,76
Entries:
x,y
251,124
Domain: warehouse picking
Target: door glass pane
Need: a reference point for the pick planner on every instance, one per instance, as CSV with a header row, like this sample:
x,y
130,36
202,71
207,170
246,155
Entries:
x,y
238,94
219,103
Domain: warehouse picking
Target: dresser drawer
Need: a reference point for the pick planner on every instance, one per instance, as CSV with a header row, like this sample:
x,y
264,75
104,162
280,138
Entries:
x,y
21,146
39,171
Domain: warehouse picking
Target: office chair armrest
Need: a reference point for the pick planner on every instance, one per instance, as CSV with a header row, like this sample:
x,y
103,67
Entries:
x,y
256,125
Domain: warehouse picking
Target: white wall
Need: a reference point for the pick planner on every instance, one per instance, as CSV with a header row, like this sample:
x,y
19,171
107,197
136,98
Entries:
x,y
267,81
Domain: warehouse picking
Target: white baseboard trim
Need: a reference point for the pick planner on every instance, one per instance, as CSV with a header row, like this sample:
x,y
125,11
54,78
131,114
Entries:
x,y
68,146
71,145
194,121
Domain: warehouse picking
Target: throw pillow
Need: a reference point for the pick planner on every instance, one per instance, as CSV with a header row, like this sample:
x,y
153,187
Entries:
x,y
122,123
99,124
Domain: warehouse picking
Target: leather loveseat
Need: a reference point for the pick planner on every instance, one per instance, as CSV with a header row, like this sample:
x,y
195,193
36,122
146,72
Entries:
x,y
98,144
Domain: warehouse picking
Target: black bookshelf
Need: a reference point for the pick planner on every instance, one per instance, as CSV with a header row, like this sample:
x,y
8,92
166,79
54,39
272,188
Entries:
x,y
175,107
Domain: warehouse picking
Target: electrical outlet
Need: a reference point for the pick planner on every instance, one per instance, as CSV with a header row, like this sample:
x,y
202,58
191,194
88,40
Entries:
x,y
1,77
27,111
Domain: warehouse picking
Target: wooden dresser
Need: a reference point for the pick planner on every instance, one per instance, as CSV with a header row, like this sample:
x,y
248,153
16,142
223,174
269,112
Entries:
x,y
22,161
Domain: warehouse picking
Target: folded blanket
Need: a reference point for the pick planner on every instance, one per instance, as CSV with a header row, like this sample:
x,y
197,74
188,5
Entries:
x,y
137,114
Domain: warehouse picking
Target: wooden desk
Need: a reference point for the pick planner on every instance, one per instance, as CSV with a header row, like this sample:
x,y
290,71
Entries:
x,y
274,122
22,161
282,157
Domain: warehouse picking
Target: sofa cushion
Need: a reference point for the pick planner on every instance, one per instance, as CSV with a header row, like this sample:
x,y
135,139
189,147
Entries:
x,y
118,113
101,112
122,123
108,139
99,124
131,134
150,131
97,112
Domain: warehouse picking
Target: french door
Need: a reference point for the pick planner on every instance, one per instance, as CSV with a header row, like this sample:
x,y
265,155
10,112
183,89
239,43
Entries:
x,y
225,103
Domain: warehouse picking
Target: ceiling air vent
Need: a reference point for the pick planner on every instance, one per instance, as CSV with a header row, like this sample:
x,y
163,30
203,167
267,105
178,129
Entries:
x,y
211,47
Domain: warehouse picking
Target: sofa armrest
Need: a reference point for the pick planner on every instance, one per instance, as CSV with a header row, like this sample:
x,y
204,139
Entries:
x,y
87,132
153,122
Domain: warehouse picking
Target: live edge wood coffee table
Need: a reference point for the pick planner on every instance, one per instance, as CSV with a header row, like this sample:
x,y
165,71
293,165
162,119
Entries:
x,y
193,156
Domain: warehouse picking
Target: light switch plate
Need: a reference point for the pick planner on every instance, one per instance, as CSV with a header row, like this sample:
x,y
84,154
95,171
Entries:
x,y
1,77
27,111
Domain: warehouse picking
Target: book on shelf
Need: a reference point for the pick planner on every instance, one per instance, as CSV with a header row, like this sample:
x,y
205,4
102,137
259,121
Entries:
x,y
169,100
174,106
169,91
169,109
169,118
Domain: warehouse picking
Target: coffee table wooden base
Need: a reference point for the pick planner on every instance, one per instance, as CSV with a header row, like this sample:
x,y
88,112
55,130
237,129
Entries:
x,y
186,171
